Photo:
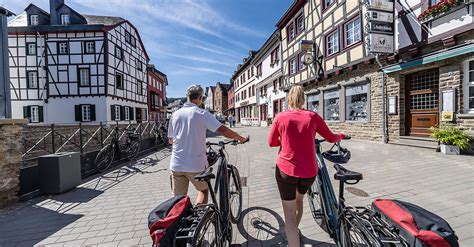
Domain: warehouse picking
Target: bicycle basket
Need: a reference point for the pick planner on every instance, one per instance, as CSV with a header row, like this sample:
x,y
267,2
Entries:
x,y
340,156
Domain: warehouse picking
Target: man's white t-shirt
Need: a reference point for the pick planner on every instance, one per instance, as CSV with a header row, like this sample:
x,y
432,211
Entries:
x,y
187,128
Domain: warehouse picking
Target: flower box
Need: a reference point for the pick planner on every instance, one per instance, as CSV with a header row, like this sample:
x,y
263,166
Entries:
x,y
439,9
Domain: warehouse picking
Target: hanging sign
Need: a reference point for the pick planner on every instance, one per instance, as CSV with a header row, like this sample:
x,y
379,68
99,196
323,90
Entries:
x,y
381,27
384,5
380,43
380,16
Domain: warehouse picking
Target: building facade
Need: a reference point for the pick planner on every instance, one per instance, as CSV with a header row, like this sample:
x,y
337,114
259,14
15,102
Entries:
x,y
220,98
157,82
209,102
231,100
245,91
269,80
66,67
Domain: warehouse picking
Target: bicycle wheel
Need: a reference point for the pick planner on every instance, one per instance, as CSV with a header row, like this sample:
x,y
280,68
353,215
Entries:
x,y
132,149
315,205
104,158
206,233
235,195
345,236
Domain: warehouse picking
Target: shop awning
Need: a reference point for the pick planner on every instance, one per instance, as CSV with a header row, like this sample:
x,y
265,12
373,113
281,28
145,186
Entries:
x,y
431,58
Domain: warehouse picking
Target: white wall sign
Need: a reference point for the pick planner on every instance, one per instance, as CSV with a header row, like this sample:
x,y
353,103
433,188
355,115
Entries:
x,y
331,94
385,5
355,90
380,43
380,16
392,105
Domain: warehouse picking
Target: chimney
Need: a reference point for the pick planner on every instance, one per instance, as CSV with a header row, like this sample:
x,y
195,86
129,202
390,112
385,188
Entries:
x,y
53,11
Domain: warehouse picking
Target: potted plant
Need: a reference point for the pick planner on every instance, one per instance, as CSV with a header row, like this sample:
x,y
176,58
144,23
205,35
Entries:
x,y
451,138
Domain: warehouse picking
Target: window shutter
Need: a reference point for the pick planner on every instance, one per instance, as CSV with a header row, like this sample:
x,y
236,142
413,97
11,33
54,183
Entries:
x,y
93,113
122,113
112,112
26,112
131,113
40,113
78,113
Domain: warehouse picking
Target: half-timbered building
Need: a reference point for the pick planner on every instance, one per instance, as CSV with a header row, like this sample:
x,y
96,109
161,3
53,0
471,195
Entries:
x,y
244,90
157,82
67,67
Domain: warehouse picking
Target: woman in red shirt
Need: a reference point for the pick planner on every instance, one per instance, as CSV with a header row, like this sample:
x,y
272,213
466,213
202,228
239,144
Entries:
x,y
296,168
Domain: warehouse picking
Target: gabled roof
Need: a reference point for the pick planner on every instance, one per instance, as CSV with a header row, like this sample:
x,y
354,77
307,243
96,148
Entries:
x,y
294,8
103,20
32,5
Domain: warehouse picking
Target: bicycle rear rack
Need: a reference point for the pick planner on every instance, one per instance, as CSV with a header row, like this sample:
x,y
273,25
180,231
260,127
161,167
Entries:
x,y
188,226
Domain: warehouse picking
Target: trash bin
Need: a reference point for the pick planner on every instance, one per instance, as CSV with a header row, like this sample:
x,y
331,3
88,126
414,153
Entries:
x,y
59,172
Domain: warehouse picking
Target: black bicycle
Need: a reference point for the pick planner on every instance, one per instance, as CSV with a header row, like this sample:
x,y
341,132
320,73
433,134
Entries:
x,y
129,148
211,224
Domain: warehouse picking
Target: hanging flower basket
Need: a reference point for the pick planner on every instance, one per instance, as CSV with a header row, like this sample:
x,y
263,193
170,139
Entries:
x,y
440,8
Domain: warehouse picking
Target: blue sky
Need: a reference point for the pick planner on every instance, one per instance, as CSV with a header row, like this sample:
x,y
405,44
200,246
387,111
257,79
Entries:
x,y
192,41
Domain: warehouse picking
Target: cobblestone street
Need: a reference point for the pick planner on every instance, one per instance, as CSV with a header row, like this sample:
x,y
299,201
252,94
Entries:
x,y
112,209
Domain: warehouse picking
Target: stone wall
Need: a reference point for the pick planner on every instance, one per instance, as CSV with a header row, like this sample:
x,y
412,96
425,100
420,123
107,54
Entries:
x,y
10,159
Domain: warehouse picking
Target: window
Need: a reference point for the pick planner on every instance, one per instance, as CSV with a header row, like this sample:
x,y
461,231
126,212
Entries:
x,y
139,64
63,48
86,113
248,74
139,87
331,105
84,77
65,20
252,69
127,113
292,66
144,115
356,103
434,2
469,86
332,43
128,37
300,24
291,31
280,83
274,56
313,102
89,47
117,112
352,32
118,52
275,85
34,21
31,48
35,115
259,69
327,3
302,65
134,42
32,79
119,80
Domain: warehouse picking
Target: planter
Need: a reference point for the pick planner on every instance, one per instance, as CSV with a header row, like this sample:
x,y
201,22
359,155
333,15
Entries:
x,y
449,149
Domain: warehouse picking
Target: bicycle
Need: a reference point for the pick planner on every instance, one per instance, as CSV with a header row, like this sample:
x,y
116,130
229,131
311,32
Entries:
x,y
347,226
161,134
217,217
129,149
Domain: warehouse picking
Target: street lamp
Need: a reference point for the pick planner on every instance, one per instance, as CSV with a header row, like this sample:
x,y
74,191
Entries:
x,y
5,100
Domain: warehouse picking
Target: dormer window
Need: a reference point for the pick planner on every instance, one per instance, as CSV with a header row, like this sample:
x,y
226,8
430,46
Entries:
x,y
65,20
34,20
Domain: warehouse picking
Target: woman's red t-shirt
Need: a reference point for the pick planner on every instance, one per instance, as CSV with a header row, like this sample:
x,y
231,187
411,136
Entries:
x,y
294,131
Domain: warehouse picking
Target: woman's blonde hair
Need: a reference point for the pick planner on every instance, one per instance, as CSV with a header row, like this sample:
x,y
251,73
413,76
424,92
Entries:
x,y
296,97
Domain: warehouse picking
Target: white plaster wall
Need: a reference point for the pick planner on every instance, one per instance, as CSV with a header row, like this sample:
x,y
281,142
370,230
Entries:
x,y
17,107
110,101
61,110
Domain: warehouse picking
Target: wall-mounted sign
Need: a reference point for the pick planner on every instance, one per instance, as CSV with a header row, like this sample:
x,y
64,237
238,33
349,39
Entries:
x,y
245,103
447,116
381,27
448,99
392,105
384,5
380,43
379,16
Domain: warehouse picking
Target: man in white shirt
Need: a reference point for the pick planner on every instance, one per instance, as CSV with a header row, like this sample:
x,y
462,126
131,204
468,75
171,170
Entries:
x,y
187,132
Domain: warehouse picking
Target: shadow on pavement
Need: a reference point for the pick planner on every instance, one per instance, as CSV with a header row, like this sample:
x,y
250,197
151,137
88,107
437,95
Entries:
x,y
262,226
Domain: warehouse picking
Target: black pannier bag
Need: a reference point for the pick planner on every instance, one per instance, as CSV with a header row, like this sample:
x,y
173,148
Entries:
x,y
418,226
163,221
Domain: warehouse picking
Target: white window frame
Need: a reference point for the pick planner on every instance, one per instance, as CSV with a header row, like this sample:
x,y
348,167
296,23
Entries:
x,y
34,20
63,48
31,49
127,113
89,47
65,19
86,113
139,87
84,81
351,35
117,113
32,81
293,66
334,43
34,114
466,85
119,51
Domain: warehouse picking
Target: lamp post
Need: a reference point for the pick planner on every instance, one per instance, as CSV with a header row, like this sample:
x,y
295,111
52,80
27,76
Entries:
x,y
5,100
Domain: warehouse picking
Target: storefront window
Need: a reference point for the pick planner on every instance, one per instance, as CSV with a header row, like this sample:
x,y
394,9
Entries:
x,y
356,103
331,105
469,86
313,102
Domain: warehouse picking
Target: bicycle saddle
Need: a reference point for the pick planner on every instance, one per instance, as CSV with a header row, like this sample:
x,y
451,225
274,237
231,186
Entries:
x,y
206,175
344,174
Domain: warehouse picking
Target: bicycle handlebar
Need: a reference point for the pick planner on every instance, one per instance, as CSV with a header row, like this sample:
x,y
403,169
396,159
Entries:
x,y
348,137
231,142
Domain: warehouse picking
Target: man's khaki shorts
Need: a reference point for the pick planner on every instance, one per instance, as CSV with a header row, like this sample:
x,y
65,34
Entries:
x,y
180,182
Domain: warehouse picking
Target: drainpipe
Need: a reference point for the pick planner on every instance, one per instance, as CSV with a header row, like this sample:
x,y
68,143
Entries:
x,y
384,137
5,99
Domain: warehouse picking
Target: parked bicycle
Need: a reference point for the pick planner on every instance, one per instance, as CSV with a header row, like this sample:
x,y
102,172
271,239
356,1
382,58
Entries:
x,y
161,134
384,223
129,148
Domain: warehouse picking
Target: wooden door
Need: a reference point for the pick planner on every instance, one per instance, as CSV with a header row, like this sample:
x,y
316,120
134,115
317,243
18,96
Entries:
x,y
423,102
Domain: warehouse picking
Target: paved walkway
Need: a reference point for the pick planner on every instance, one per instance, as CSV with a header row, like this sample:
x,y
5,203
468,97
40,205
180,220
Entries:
x,y
112,210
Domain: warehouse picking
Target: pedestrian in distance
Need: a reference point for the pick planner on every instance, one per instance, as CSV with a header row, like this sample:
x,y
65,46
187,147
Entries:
x,y
230,118
187,133
294,131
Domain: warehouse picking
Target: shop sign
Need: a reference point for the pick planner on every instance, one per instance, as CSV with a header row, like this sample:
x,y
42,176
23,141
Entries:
x,y
384,5
381,43
381,27
244,103
374,15
447,116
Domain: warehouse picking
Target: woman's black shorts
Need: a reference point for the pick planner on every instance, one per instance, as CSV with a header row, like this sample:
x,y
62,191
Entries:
x,y
287,185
